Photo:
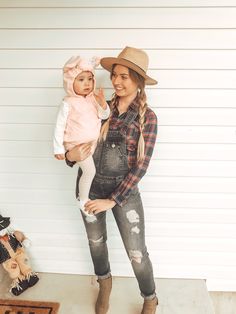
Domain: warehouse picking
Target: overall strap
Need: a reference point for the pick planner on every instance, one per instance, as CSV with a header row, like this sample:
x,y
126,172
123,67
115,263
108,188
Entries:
x,y
130,117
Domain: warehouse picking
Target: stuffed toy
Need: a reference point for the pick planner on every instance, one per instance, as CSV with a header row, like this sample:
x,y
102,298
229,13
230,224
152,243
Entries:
x,y
14,259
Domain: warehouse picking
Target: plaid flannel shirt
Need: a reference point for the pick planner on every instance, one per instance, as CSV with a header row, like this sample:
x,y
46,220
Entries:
x,y
137,169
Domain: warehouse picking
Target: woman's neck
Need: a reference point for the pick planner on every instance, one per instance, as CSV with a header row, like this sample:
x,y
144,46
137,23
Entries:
x,y
124,103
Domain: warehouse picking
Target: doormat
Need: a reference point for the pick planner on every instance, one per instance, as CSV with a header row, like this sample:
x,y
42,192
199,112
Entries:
x,y
10,306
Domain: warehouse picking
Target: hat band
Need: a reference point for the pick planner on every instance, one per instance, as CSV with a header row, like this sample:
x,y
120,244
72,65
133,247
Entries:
x,y
135,65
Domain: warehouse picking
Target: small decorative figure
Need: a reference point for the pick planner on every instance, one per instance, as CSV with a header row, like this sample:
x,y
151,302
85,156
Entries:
x,y
14,259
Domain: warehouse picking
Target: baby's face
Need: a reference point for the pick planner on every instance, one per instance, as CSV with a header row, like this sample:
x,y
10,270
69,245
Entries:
x,y
84,83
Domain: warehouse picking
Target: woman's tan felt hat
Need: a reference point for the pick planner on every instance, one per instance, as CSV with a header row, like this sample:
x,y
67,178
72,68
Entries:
x,y
133,58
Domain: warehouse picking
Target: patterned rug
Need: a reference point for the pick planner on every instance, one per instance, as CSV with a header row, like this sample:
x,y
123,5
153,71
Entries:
x,y
10,306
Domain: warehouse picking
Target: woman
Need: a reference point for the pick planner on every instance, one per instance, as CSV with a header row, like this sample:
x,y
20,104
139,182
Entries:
x,y
122,156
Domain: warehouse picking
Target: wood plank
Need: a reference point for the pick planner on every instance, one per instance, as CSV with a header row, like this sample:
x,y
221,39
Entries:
x,y
149,183
190,200
101,38
28,132
160,199
119,255
190,151
204,17
187,168
182,142
163,150
200,230
166,116
122,3
222,79
180,98
196,134
160,59
162,243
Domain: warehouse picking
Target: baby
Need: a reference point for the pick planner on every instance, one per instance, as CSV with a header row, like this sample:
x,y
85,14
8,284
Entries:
x,y
79,118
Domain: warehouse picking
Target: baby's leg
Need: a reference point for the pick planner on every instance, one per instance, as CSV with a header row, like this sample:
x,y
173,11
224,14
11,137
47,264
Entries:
x,y
86,179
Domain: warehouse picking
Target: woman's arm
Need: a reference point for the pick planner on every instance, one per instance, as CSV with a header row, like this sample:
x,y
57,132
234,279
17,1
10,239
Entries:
x,y
99,205
123,191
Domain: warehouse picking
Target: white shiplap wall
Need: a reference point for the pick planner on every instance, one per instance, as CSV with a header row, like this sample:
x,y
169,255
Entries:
x,y
190,190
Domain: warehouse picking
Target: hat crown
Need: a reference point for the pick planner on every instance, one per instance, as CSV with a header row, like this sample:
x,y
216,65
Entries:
x,y
136,56
132,58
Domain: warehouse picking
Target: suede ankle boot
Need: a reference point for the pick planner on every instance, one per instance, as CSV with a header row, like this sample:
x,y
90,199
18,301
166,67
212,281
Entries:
x,y
102,303
149,306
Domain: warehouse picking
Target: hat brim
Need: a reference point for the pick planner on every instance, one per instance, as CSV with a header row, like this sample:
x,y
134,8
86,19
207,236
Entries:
x,y
108,62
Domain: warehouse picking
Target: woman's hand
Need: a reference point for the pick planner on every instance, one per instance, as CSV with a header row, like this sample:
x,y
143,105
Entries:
x,y
79,152
99,205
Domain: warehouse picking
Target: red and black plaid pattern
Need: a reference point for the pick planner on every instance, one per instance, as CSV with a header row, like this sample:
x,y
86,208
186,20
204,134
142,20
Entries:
x,y
137,169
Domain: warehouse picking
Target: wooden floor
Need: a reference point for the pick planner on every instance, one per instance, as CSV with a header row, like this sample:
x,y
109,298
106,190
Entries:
x,y
77,294
224,302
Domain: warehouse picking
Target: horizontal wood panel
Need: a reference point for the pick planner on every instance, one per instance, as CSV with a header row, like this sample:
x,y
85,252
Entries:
x,y
29,132
162,151
153,243
161,199
160,271
199,271
167,78
158,214
188,135
160,59
50,97
192,200
111,18
191,215
196,116
156,229
167,257
187,168
166,116
122,3
195,134
101,38
180,98
214,284
148,183
195,151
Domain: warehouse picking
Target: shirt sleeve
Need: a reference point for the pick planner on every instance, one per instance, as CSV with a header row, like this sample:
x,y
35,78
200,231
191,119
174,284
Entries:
x,y
123,191
103,113
59,130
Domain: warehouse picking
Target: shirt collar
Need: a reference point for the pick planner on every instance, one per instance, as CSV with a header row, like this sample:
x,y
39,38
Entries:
x,y
132,107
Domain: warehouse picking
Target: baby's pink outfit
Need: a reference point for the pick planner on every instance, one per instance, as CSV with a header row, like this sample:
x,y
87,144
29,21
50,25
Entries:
x,y
79,117
79,120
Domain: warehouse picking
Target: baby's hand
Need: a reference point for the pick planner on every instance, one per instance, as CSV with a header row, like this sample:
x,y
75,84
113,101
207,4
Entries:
x,y
60,156
100,98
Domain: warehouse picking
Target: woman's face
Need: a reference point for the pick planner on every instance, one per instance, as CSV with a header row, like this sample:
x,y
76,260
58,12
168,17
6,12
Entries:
x,y
123,84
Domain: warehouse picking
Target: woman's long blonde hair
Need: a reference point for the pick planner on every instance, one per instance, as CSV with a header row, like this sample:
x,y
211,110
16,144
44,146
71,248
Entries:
x,y
142,107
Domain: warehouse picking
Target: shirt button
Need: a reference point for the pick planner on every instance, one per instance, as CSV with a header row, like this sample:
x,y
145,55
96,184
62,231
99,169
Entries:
x,y
113,145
